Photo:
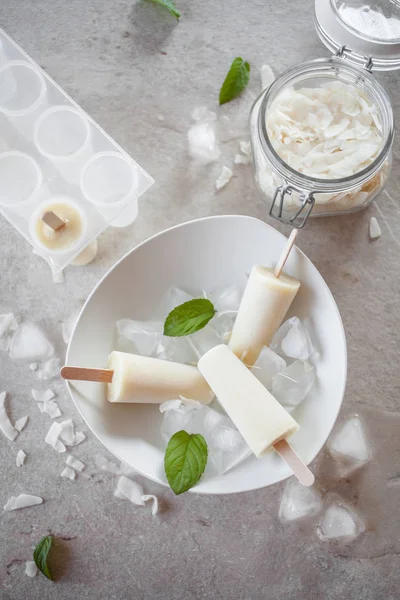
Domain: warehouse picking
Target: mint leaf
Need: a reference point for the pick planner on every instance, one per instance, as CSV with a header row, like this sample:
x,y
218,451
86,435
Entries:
x,y
189,317
185,460
236,80
40,554
169,5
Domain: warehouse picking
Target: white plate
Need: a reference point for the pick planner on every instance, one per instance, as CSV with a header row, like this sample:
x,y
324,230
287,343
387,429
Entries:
x,y
204,254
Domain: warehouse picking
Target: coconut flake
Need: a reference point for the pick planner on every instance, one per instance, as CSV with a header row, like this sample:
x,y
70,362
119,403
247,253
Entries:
x,y
241,160
79,437
106,465
52,437
224,178
59,447
67,434
5,424
75,463
20,460
267,76
52,409
131,490
42,395
22,501
50,369
68,473
33,366
375,231
20,423
30,568
7,323
154,508
245,148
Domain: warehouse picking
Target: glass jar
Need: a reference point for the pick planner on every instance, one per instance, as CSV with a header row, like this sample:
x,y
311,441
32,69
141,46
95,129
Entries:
x,y
294,191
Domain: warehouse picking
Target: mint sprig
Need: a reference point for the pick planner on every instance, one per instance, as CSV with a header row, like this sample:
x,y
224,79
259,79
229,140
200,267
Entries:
x,y
236,80
170,6
189,317
40,554
185,460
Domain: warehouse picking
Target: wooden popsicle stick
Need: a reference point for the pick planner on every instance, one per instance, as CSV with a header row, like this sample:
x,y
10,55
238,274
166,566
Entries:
x,y
300,470
53,220
285,253
87,374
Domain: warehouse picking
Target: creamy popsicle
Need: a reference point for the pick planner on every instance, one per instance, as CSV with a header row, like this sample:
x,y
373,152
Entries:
x,y
264,305
151,380
260,418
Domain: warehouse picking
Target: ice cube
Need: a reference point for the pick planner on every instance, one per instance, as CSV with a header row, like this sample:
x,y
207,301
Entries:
x,y
222,324
224,178
339,521
30,343
299,502
292,385
7,323
173,298
49,370
203,146
267,366
68,325
349,447
227,298
176,419
203,340
176,349
292,340
139,337
226,439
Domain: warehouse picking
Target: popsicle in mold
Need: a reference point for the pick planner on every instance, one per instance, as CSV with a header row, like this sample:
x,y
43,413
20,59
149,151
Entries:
x,y
141,379
266,300
262,421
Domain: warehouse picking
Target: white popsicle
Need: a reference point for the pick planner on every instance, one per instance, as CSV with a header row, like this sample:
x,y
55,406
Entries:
x,y
151,380
260,418
264,305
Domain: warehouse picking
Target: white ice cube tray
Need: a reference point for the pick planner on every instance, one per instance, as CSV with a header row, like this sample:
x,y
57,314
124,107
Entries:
x,y
51,151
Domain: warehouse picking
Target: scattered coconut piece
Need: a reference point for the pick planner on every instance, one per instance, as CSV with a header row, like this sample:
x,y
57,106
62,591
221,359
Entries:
x,y
21,456
22,501
245,148
58,276
241,160
75,463
5,424
68,473
52,437
20,423
267,76
203,145
375,231
33,366
127,470
154,508
131,490
7,323
67,434
30,568
42,395
106,465
79,437
52,409
224,178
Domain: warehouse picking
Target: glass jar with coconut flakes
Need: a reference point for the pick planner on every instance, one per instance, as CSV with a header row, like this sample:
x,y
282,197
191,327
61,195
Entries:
x,y
322,133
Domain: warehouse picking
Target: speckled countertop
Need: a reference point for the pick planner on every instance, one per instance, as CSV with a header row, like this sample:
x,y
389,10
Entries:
x,y
127,64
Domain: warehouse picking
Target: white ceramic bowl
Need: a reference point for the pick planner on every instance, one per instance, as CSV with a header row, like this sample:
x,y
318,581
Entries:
x,y
204,254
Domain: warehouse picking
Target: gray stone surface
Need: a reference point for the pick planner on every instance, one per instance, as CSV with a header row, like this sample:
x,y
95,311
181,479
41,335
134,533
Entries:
x,y
126,64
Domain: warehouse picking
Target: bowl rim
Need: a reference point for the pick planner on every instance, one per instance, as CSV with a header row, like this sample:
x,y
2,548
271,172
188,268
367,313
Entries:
x,y
195,489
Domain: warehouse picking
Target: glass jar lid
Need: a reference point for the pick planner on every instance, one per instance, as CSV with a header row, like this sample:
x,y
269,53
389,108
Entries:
x,y
367,34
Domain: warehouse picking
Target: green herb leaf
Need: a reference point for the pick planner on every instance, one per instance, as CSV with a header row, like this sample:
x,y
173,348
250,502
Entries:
x,y
236,80
40,554
185,460
169,5
189,317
